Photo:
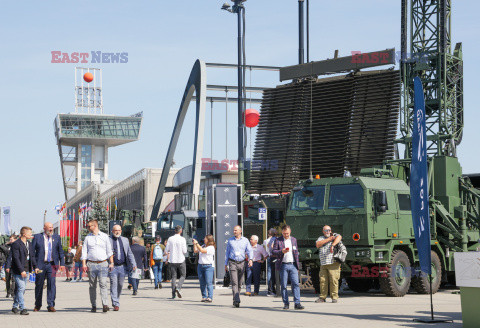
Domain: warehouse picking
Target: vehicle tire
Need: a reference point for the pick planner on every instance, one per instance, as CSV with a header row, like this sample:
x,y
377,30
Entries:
x,y
360,285
421,283
315,277
398,280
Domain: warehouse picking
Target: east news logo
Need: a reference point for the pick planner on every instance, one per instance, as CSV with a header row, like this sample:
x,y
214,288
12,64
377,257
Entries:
x,y
94,57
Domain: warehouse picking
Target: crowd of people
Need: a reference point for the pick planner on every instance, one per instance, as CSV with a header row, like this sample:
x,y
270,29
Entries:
x,y
110,259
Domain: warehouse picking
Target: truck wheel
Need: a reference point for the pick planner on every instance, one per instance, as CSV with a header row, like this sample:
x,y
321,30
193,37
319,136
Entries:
x,y
421,283
360,285
315,276
398,280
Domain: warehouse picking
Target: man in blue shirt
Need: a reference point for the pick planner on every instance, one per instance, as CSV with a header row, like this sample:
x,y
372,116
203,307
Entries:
x,y
238,248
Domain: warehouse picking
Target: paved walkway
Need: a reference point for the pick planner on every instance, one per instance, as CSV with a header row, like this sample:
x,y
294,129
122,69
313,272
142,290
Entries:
x,y
154,307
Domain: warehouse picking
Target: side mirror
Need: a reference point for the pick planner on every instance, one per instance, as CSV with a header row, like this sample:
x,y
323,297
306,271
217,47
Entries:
x,y
381,201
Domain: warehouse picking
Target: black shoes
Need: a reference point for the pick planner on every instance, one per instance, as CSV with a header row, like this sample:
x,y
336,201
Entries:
x,y
299,306
24,312
105,308
178,293
236,304
156,287
15,310
94,309
134,292
160,285
173,295
286,307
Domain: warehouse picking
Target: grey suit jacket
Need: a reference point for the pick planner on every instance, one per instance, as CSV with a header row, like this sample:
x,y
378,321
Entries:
x,y
128,252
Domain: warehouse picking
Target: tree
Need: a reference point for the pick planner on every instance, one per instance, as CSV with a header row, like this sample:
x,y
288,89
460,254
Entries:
x,y
99,213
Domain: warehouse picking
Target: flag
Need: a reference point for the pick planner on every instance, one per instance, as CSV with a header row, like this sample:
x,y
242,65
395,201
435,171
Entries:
x,y
419,182
6,220
115,203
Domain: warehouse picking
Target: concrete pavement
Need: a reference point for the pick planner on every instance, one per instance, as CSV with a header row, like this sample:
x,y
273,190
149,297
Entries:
x,y
154,307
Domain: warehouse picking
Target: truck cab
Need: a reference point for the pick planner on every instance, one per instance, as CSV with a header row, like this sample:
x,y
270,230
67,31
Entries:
x,y
373,215
193,225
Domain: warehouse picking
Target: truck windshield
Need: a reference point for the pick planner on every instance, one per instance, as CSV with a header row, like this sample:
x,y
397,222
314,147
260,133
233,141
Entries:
x,y
178,219
309,198
345,196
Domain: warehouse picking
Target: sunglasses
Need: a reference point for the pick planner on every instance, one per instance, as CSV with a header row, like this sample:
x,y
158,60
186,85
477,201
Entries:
x,y
327,230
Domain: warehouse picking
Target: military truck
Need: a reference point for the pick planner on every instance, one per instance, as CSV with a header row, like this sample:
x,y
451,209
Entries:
x,y
194,227
372,213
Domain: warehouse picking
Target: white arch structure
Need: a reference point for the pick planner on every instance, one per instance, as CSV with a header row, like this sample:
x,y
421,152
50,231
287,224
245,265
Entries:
x,y
197,82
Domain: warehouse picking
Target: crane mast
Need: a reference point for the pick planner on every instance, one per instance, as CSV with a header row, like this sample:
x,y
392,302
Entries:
x,y
429,57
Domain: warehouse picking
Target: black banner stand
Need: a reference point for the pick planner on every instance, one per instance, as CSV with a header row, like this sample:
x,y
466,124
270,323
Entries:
x,y
432,320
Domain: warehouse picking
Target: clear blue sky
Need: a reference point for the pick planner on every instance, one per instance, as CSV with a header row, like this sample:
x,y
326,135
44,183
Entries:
x,y
163,39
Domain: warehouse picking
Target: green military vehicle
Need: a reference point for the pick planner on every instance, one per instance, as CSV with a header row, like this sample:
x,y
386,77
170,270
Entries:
x,y
372,213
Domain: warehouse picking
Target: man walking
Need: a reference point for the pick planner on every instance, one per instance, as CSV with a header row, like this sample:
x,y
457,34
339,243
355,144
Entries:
x,y
123,261
177,247
253,273
49,256
235,255
97,258
156,261
268,246
329,268
22,263
140,254
286,251
9,279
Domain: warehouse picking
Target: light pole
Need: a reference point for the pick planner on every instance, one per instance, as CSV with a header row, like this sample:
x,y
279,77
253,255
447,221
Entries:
x,y
237,9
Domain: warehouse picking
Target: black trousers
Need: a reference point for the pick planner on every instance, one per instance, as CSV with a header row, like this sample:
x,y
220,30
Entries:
x,y
10,282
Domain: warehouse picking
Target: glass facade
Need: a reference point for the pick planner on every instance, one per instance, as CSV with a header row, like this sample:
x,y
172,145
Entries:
x,y
96,126
86,169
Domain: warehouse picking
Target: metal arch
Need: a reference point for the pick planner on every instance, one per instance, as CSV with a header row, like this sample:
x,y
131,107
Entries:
x,y
197,82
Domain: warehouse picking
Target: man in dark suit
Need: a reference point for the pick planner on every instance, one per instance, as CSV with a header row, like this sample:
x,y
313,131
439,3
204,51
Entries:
x,y
140,254
123,261
285,249
48,253
21,264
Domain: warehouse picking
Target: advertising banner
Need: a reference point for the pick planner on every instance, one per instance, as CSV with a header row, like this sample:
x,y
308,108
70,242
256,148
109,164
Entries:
x,y
226,209
418,180
6,220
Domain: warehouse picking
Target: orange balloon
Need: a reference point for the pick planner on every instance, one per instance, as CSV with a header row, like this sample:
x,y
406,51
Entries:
x,y
88,77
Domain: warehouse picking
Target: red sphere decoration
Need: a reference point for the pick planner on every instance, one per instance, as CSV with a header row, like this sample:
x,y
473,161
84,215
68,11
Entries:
x,y
252,116
88,77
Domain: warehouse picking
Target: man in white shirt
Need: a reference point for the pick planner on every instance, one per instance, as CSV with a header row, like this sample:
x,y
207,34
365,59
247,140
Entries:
x,y
176,248
97,258
253,273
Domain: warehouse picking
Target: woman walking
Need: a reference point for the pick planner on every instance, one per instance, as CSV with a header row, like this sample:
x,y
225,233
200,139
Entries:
x,y
206,266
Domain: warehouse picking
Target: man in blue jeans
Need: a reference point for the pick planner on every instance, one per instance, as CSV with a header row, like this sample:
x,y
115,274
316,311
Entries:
x,y
156,261
285,250
23,262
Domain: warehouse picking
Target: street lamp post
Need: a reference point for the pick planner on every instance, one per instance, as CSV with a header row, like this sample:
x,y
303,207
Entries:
x,y
237,9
